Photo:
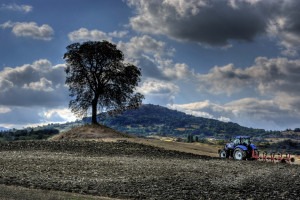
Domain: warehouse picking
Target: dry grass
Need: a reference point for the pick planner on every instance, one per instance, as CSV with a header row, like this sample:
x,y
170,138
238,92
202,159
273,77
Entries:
x,y
106,134
88,132
194,148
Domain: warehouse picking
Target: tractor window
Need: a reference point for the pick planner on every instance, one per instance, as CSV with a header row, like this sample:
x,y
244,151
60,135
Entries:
x,y
236,141
246,141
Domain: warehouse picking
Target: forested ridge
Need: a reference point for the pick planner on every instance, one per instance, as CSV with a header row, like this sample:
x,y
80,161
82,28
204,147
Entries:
x,y
153,120
157,120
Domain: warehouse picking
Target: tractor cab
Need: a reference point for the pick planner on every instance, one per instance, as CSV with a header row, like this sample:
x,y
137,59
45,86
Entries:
x,y
239,140
242,140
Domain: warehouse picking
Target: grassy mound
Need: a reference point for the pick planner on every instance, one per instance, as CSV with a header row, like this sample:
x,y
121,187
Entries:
x,y
91,132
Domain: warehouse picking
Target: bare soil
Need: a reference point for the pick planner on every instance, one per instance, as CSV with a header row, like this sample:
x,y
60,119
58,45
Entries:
x,y
9,192
127,170
87,132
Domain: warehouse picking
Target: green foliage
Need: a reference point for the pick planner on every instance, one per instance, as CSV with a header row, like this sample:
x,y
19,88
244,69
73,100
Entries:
x,y
297,130
221,142
98,77
190,139
204,141
282,146
27,134
264,145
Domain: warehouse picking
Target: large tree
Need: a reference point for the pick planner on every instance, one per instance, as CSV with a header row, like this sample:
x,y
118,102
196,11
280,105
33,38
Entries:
x,y
98,78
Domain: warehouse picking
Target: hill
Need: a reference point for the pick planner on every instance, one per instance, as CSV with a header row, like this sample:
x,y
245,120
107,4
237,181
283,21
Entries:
x,y
157,120
151,120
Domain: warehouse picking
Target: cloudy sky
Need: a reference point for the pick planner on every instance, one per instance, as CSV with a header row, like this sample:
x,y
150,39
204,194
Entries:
x,y
231,60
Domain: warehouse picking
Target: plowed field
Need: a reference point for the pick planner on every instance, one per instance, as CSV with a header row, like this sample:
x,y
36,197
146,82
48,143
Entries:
x,y
128,170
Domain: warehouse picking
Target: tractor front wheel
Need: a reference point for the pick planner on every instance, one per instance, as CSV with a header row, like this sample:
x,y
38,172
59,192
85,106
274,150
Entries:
x,y
223,154
239,154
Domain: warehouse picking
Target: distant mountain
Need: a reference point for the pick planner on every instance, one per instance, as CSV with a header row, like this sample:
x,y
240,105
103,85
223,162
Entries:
x,y
157,120
3,128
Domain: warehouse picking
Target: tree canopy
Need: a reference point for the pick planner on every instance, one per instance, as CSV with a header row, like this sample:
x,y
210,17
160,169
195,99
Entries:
x,y
98,77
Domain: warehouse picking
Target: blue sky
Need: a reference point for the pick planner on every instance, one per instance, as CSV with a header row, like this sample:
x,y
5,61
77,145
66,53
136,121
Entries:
x,y
231,60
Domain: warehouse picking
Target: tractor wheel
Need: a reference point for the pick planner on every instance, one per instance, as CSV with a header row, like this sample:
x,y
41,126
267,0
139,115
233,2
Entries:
x,y
239,154
223,154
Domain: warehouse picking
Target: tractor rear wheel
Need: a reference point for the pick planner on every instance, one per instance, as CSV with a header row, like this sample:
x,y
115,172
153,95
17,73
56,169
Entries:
x,y
239,154
223,154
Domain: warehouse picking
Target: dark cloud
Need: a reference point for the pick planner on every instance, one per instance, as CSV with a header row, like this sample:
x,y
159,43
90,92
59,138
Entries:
x,y
217,22
211,23
290,11
268,76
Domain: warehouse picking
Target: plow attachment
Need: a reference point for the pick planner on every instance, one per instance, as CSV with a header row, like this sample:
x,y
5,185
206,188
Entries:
x,y
273,157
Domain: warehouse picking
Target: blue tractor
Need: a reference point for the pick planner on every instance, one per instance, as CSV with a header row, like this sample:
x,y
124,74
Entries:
x,y
240,148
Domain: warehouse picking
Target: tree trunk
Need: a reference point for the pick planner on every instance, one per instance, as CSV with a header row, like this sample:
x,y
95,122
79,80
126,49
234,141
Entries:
x,y
94,111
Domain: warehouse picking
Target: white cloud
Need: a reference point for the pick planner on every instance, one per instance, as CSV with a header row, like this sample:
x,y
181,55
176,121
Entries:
x,y
289,38
4,109
29,29
137,46
118,34
33,94
250,112
42,85
16,7
84,34
234,3
7,24
224,119
158,87
159,91
37,84
20,117
200,107
225,79
199,114
152,57
177,71
275,81
58,115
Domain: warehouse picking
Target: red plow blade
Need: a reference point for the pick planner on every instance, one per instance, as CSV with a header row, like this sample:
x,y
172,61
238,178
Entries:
x,y
273,157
